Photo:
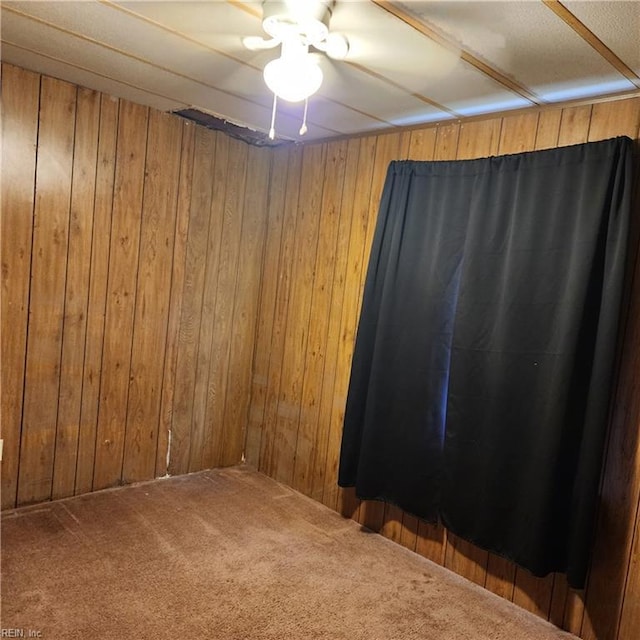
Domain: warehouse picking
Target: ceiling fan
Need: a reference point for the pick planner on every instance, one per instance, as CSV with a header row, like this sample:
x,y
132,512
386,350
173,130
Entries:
x,y
296,26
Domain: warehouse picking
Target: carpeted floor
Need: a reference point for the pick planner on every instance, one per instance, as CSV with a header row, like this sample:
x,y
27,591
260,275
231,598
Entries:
x,y
230,554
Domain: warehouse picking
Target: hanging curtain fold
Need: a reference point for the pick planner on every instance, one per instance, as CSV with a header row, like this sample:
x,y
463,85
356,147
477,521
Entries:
x,y
483,362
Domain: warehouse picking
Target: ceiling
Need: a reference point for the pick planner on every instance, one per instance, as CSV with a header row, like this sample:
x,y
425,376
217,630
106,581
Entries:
x,y
409,62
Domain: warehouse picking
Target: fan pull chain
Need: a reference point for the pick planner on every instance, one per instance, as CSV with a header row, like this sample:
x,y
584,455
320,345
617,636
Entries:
x,y
303,128
272,130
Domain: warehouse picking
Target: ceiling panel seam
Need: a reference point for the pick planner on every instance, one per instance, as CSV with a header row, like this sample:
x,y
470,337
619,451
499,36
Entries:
x,y
592,39
432,33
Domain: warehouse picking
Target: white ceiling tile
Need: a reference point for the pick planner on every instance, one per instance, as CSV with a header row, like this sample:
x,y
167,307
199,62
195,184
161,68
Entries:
x,y
617,25
527,41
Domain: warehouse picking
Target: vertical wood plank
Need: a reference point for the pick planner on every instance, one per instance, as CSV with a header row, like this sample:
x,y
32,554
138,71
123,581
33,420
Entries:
x,y
163,452
559,594
96,307
409,533
121,292
331,366
192,294
202,429
77,291
268,456
422,144
152,297
350,312
48,276
431,541
300,297
500,576
243,324
392,523
518,133
548,129
267,305
479,139
532,593
327,275
574,125
613,119
20,105
226,292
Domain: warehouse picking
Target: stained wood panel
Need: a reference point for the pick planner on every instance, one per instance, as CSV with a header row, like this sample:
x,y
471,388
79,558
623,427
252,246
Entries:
x,y
339,302
275,346
185,291
152,296
326,276
222,320
20,104
97,300
358,207
126,216
116,201
76,291
245,306
183,205
267,305
46,299
211,260
192,301
548,597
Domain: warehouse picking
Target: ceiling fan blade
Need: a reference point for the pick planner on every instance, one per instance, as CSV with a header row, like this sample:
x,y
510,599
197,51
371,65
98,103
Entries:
x,y
256,43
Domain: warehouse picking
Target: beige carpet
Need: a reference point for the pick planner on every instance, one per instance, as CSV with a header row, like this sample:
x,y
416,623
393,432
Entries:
x,y
231,554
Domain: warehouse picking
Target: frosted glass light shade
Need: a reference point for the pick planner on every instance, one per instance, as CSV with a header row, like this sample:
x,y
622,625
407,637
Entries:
x,y
293,80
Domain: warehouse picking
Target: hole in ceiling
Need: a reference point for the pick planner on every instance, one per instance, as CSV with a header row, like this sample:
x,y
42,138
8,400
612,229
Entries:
x,y
250,136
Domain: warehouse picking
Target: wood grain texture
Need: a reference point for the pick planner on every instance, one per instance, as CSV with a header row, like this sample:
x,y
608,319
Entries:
x,y
121,293
269,283
111,296
548,597
283,275
20,104
245,308
209,270
48,278
201,447
298,312
326,275
227,280
76,291
163,450
358,206
97,301
152,297
192,301
339,302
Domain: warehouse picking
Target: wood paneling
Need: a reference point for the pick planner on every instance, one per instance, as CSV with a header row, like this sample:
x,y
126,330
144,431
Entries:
x,y
47,291
132,246
306,339
20,104
177,300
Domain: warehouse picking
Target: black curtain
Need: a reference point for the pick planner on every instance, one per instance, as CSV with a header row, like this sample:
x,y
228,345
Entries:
x,y
484,357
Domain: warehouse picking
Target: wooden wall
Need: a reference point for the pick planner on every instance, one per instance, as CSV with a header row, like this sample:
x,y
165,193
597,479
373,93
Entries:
x,y
131,253
324,201
167,290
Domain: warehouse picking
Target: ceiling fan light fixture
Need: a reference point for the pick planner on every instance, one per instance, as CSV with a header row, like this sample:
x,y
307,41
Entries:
x,y
294,76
